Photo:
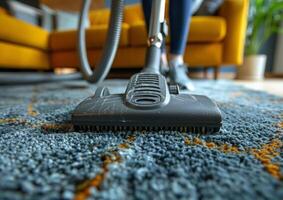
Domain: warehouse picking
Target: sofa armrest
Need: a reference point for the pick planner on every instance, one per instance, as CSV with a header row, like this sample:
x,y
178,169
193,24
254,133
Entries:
x,y
22,33
236,14
3,11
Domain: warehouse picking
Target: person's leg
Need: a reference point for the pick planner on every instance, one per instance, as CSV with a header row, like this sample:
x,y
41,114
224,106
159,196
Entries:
x,y
146,5
180,16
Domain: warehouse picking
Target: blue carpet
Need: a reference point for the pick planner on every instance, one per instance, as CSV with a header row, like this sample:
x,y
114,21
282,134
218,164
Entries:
x,y
41,157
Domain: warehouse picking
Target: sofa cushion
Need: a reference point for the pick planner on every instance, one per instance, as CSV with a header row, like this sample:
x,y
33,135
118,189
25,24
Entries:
x,y
134,57
99,17
95,38
22,57
214,31
19,32
133,14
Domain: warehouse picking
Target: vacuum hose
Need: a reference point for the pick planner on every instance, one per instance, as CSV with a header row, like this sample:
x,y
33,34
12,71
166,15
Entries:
x,y
112,41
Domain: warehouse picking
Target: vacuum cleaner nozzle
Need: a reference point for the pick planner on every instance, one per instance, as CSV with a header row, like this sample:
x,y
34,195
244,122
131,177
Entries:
x,y
148,104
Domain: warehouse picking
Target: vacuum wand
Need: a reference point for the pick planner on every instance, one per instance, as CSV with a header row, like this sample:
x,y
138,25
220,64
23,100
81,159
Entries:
x,y
155,37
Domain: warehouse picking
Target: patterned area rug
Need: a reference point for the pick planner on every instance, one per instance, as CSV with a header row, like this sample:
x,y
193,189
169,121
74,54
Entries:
x,y
41,157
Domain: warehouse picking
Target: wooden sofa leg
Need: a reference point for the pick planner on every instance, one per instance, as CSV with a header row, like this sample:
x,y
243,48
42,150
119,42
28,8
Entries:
x,y
205,72
216,72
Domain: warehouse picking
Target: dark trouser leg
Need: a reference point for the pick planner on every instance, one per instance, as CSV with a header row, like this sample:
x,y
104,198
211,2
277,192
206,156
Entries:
x,y
180,15
146,6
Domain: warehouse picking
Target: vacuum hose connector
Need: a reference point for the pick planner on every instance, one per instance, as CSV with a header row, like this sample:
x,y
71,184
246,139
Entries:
x,y
112,41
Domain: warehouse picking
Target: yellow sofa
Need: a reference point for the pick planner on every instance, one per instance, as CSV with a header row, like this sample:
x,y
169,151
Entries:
x,y
213,40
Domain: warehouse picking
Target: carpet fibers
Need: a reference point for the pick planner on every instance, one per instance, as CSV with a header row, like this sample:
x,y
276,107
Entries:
x,y
41,157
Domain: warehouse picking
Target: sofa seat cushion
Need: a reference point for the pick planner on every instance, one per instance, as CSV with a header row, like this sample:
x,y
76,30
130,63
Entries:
x,y
95,38
134,57
19,32
22,57
202,29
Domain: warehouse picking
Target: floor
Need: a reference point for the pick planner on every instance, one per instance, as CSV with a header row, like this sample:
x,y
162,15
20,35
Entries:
x,y
272,86
43,157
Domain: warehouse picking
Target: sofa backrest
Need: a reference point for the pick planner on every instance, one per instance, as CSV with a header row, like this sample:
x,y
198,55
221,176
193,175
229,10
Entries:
x,y
99,17
132,14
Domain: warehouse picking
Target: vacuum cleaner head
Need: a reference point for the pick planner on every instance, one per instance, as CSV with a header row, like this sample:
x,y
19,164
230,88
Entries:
x,y
148,104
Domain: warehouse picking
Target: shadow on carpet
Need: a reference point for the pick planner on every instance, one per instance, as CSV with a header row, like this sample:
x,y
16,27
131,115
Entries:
x,y
41,157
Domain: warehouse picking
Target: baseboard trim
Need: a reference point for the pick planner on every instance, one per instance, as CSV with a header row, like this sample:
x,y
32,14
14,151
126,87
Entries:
x,y
273,75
